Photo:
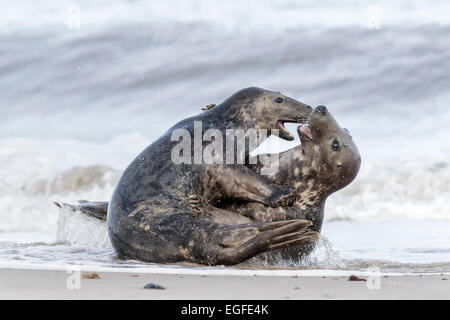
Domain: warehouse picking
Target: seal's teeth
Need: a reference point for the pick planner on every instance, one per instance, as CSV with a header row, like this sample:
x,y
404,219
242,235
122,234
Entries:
x,y
284,130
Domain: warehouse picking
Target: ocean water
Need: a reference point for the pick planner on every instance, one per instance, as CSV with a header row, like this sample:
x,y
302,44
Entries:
x,y
86,86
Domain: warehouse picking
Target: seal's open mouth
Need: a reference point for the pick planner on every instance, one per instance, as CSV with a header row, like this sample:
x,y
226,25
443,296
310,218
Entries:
x,y
284,133
305,131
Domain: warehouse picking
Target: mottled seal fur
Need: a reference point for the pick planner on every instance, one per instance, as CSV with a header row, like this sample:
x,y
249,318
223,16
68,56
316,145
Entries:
x,y
325,162
164,212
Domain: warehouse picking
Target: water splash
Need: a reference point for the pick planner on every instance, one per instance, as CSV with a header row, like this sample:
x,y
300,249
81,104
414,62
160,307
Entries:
x,y
75,228
323,256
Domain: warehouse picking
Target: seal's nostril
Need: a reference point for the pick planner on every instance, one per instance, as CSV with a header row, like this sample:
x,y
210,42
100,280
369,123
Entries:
x,y
323,110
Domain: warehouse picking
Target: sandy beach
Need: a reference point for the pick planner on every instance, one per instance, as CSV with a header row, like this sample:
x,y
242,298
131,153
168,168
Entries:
x,y
41,284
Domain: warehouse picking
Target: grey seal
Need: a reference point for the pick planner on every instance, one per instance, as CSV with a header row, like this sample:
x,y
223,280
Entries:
x,y
326,161
165,212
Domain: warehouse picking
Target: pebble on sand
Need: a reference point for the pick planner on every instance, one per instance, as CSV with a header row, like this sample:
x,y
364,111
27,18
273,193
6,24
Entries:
x,y
91,276
355,278
153,286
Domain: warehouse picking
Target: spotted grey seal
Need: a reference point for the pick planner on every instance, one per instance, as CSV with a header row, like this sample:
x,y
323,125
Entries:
x,y
326,161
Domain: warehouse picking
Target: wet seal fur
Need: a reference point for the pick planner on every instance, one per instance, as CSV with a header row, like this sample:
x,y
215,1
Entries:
x,y
164,212
325,162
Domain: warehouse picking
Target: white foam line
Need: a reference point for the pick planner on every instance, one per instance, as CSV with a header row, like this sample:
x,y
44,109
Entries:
x,y
209,271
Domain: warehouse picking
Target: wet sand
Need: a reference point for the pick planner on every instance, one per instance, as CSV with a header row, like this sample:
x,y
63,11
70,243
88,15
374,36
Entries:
x,y
40,284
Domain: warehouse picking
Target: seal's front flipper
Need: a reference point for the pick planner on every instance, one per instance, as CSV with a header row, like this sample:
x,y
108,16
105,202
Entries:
x,y
97,210
241,183
294,239
241,242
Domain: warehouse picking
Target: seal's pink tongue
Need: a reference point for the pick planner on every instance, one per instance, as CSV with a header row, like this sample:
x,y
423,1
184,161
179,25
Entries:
x,y
306,131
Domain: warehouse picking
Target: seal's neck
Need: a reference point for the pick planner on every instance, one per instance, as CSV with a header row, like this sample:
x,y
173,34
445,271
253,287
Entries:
x,y
305,175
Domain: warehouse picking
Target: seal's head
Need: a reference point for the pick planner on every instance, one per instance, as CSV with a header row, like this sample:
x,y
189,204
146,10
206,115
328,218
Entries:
x,y
330,150
264,109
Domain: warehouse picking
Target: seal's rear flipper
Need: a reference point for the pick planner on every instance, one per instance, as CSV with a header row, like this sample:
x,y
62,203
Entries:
x,y
97,210
241,242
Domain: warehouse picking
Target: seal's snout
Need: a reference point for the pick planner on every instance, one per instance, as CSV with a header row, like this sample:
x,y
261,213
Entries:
x,y
322,110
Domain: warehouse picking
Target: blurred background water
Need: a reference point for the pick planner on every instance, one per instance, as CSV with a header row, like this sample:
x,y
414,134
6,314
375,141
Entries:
x,y
86,85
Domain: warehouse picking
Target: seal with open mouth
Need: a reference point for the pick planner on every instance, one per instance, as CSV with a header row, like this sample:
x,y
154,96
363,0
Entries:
x,y
162,212
326,161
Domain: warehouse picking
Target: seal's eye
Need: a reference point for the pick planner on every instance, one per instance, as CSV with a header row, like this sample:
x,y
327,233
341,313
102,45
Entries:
x,y
279,100
335,145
